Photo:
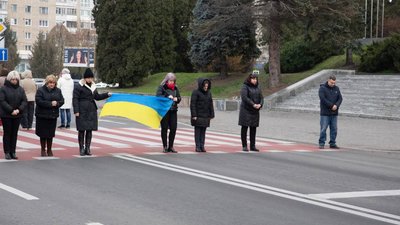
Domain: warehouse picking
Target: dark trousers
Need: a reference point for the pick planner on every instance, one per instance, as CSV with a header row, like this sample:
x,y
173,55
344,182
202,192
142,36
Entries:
x,y
27,116
243,135
10,135
200,136
169,121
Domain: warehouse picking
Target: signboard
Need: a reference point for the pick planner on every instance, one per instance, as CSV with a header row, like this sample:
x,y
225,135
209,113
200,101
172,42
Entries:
x,y
2,28
3,54
78,57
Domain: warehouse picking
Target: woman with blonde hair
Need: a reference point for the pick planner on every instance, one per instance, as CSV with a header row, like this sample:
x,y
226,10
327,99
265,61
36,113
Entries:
x,y
30,88
48,102
12,105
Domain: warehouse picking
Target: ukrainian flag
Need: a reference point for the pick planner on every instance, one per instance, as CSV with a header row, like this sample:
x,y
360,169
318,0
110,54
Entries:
x,y
147,110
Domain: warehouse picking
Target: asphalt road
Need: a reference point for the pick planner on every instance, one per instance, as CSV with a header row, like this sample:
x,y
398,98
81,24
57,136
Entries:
x,y
329,188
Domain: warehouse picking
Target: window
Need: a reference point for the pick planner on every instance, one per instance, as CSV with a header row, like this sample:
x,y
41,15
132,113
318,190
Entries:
x,y
71,11
28,22
14,21
14,34
3,5
85,3
44,10
58,11
28,9
43,23
85,25
28,47
86,13
71,24
27,35
14,7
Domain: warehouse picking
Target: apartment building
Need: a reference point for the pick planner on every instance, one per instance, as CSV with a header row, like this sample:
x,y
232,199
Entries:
x,y
29,17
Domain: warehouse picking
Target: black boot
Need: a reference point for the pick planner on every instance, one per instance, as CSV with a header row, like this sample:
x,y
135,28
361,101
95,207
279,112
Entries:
x,y
13,156
81,136
49,145
43,147
87,142
165,149
7,156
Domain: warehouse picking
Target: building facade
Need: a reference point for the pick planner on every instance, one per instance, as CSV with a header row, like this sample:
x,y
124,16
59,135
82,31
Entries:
x,y
29,17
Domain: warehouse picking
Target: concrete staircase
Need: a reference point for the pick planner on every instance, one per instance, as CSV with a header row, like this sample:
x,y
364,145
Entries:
x,y
371,96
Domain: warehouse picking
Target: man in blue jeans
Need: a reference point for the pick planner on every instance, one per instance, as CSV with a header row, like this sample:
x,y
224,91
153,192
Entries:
x,y
330,100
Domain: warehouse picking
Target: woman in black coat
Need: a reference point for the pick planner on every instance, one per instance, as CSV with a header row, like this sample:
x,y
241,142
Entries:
x,y
48,100
202,111
85,110
169,89
13,102
249,115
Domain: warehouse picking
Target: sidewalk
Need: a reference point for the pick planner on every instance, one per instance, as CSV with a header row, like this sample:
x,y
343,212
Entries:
x,y
353,132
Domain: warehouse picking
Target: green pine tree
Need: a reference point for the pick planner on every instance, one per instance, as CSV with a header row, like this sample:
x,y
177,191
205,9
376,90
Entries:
x,y
212,44
164,39
44,59
182,17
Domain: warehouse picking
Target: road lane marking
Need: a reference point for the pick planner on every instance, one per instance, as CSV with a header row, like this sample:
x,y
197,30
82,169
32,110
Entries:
x,y
18,192
342,207
357,194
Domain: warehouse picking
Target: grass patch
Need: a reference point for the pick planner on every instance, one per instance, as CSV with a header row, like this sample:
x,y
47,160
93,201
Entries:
x,y
331,63
185,81
230,86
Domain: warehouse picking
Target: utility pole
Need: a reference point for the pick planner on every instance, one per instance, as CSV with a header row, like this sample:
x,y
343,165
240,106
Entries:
x,y
372,18
377,18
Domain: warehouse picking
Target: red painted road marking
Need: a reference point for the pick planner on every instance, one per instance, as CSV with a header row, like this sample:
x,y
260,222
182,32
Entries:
x,y
146,141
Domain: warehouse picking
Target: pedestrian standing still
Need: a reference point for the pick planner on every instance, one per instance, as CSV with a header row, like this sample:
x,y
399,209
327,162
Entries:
x,y
169,89
249,114
85,110
330,100
202,111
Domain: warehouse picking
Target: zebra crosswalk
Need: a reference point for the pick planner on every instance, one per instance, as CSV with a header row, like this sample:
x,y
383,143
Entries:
x,y
131,140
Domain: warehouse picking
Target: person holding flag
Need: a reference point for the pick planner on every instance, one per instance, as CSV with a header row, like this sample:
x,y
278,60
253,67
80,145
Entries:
x,y
169,90
85,110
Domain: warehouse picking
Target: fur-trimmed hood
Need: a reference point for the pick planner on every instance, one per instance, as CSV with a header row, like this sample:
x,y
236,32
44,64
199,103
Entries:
x,y
91,87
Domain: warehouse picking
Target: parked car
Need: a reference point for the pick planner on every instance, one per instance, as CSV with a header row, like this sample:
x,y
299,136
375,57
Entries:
x,y
39,82
101,85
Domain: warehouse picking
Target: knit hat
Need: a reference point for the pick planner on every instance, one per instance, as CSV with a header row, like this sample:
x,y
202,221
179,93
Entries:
x,y
88,73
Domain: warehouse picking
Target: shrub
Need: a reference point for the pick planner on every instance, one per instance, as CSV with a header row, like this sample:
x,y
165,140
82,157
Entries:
x,y
381,56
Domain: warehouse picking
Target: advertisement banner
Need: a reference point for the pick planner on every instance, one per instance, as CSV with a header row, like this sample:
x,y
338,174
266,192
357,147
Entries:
x,y
78,57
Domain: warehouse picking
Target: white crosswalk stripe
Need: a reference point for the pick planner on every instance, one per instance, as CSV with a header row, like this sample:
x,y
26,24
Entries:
x,y
55,140
94,140
139,133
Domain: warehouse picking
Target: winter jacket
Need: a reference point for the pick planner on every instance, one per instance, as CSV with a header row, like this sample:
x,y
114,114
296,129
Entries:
x,y
201,105
12,97
248,115
328,97
83,101
44,97
30,88
164,91
66,84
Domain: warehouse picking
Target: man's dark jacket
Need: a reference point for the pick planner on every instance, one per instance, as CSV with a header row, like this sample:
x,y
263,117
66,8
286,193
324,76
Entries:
x,y
329,96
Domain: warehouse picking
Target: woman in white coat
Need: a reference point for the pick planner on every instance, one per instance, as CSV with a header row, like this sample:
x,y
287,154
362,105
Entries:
x,y
66,84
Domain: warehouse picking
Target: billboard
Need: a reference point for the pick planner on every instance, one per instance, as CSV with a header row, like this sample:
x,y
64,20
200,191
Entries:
x,y
78,57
